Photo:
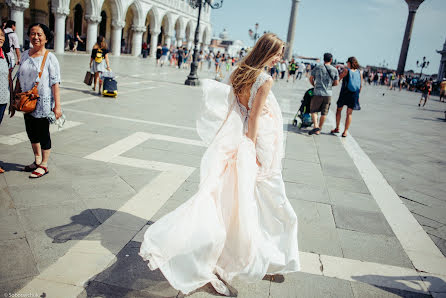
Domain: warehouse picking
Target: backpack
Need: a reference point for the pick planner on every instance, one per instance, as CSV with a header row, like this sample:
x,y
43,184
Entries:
x,y
6,46
354,80
98,58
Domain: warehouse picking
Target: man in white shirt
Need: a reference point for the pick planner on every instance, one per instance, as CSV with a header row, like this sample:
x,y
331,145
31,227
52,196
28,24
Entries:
x,y
300,70
13,43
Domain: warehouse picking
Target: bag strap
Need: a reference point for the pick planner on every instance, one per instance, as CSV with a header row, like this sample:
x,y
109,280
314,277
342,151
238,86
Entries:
x,y
42,65
328,72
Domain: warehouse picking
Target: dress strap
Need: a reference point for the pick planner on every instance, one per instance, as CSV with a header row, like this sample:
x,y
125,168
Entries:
x,y
261,79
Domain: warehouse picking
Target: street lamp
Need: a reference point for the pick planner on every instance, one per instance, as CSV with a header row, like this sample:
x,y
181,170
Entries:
x,y
423,64
254,35
192,79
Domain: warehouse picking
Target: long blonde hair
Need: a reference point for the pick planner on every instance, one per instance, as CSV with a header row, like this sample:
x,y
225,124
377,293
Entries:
x,y
253,63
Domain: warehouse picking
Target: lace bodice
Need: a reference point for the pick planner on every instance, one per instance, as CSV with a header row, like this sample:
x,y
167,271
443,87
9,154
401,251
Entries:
x,y
261,79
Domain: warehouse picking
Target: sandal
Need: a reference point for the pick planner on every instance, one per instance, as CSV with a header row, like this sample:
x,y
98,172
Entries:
x,y
344,135
37,173
314,131
1,171
336,130
30,168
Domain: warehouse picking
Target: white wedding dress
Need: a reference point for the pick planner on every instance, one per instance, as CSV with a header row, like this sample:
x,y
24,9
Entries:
x,y
240,222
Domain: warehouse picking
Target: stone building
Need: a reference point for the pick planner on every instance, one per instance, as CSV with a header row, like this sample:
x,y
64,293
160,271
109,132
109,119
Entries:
x,y
170,22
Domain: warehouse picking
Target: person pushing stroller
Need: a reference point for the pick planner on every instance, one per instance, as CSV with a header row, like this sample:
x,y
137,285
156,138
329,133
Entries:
x,y
323,77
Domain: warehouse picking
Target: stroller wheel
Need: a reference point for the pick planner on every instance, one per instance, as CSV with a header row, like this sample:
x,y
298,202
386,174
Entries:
x,y
294,122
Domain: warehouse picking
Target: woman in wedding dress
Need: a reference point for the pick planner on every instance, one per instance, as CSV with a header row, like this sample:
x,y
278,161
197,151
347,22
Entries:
x,y
240,222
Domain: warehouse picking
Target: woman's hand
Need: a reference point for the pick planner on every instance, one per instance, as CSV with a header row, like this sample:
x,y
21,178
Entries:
x,y
57,112
108,68
258,163
11,111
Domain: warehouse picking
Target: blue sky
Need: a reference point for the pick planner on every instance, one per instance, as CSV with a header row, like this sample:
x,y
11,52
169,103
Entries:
x,y
371,30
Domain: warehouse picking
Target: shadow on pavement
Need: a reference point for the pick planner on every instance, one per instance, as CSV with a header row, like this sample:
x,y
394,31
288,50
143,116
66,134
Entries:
x,y
129,276
11,166
430,119
404,286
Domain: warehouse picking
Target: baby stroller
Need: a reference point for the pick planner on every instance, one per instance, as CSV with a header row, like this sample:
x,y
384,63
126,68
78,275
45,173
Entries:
x,y
304,111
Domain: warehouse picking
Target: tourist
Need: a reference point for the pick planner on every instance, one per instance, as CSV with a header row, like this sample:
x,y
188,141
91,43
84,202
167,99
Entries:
x,y
99,62
443,90
292,70
5,79
159,53
13,44
300,70
36,122
352,83
200,60
164,55
425,92
77,40
240,222
323,77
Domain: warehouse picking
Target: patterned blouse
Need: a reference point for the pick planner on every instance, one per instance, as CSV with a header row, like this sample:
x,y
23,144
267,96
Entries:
x,y
29,73
4,82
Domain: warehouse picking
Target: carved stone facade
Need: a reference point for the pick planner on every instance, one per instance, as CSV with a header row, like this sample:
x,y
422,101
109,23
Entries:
x,y
126,24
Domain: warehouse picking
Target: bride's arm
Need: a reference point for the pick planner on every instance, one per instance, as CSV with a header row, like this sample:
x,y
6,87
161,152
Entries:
x,y
257,108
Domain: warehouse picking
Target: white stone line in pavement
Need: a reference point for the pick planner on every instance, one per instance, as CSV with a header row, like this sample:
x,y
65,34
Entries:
x,y
131,119
96,252
419,247
111,151
21,137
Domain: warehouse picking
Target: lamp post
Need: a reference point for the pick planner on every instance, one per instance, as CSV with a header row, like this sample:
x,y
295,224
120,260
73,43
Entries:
x,y
192,79
254,35
422,64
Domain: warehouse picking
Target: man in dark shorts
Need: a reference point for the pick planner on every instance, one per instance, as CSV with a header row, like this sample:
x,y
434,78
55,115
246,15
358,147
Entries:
x,y
425,92
323,77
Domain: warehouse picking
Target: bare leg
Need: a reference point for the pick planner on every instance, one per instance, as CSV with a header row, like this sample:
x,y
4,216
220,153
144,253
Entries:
x,y
96,77
45,157
348,120
37,153
314,118
338,117
321,121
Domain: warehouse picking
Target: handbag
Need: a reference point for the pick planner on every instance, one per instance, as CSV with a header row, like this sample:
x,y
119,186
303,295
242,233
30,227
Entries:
x,y
26,101
88,78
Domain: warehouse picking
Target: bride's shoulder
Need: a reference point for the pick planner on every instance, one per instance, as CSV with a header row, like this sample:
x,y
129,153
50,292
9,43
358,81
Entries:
x,y
262,79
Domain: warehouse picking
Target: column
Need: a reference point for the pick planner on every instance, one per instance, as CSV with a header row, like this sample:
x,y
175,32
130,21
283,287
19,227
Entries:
x,y
179,38
137,39
60,14
17,9
116,37
168,40
413,6
190,42
153,42
291,29
92,30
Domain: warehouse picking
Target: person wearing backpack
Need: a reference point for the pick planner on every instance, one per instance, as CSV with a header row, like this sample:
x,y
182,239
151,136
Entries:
x,y
99,60
323,78
11,44
349,96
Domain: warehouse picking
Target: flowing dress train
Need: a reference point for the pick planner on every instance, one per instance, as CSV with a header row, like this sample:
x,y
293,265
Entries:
x,y
240,222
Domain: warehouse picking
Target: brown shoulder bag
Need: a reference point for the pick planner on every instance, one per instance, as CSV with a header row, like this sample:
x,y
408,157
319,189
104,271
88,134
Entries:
x,y
26,101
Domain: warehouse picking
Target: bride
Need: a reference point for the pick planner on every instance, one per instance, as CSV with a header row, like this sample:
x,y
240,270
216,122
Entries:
x,y
240,222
